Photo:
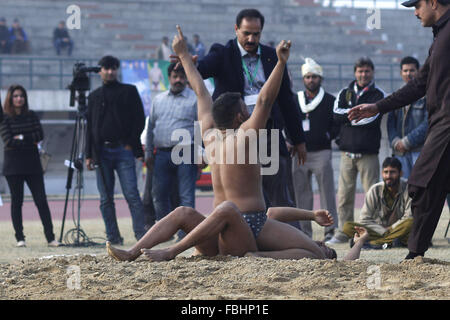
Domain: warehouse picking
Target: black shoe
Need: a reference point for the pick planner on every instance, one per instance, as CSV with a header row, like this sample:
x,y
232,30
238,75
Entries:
x,y
412,255
398,244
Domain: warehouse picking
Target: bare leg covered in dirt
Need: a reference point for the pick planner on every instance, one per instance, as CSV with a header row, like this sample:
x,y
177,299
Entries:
x,y
361,236
225,225
224,231
183,218
279,240
293,243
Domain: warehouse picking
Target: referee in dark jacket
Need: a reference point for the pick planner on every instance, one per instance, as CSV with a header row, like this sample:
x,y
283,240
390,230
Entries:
x,y
115,121
429,181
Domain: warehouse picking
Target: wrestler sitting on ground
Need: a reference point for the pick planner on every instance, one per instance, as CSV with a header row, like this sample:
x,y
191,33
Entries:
x,y
238,225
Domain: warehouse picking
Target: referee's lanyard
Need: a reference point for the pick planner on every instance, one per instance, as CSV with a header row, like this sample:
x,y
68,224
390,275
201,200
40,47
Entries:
x,y
360,93
251,78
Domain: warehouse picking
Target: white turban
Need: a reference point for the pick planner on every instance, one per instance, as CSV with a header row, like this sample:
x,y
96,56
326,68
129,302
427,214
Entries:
x,y
311,66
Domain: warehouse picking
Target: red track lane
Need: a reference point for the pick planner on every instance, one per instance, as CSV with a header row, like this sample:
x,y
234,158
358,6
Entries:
x,y
90,208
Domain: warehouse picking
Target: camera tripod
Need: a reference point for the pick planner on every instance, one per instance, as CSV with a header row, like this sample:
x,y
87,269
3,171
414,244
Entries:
x,y
80,84
76,236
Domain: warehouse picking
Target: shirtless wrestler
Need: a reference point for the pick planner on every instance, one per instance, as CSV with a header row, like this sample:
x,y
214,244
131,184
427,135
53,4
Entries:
x,y
240,223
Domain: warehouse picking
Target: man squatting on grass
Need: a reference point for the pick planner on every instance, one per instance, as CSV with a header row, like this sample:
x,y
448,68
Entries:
x,y
240,224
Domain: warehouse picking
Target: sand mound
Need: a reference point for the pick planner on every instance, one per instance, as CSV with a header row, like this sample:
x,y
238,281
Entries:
x,y
100,277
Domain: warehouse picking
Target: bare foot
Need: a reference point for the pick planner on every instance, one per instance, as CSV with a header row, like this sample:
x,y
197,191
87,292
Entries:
x,y
158,255
118,254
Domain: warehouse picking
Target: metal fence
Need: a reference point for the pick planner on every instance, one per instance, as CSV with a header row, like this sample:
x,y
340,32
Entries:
x,y
381,4
57,73
39,72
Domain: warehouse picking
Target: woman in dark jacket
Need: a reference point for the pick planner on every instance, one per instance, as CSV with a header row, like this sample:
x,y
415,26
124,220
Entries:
x,y
21,131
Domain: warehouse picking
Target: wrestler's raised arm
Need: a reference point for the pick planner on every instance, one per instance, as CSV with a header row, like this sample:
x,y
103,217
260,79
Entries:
x,y
269,91
204,100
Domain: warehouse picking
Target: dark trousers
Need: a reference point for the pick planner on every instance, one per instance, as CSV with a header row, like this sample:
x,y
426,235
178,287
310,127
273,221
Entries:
x,y
277,192
121,161
20,46
427,204
35,183
275,187
147,200
60,44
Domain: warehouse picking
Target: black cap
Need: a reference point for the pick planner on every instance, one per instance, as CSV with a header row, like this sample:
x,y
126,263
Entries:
x,y
410,3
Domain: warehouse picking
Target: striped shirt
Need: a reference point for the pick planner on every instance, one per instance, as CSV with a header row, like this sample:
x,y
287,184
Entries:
x,y
21,155
252,63
27,125
170,112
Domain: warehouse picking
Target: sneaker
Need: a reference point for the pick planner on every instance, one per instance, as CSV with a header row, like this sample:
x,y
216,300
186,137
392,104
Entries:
x,y
21,244
386,245
335,240
54,243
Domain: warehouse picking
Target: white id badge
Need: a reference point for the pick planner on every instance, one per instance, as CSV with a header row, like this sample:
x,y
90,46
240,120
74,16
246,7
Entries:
x,y
250,100
306,125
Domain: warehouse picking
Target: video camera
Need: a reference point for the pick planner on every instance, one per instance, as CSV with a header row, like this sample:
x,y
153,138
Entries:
x,y
80,80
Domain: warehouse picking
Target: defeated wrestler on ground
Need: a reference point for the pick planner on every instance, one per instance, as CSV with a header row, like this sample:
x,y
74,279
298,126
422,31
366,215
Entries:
x,y
240,222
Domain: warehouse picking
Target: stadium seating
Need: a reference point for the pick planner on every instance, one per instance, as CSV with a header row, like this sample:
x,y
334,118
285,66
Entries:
x,y
133,29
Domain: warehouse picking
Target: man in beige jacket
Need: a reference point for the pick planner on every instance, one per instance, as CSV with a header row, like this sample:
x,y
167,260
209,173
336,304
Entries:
x,y
386,213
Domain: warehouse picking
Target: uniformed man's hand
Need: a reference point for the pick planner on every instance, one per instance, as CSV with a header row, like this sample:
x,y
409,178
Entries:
x,y
362,111
400,147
